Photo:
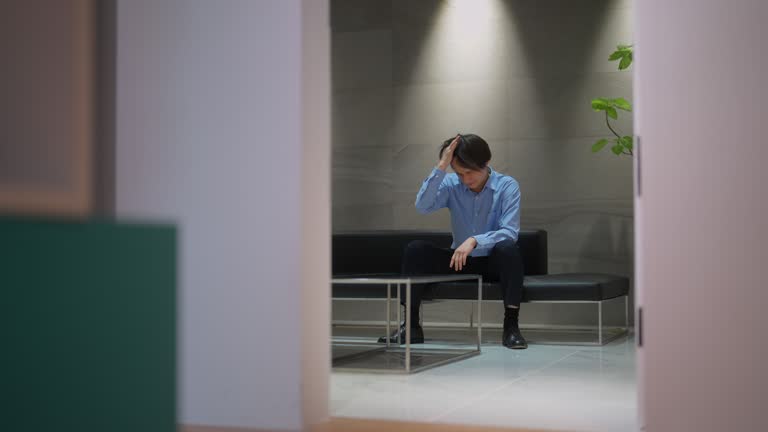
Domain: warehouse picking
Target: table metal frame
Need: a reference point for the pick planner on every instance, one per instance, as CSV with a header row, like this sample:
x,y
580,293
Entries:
x,y
408,280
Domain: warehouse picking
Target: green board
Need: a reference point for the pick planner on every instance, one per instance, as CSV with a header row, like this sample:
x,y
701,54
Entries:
x,y
87,326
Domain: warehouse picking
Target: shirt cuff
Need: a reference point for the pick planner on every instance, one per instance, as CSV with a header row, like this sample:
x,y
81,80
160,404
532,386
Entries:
x,y
482,241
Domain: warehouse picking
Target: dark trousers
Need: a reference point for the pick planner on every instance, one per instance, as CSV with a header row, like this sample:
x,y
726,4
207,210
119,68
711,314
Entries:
x,y
504,265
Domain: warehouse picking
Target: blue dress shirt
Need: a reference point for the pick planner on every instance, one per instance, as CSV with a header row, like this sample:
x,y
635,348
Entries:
x,y
490,216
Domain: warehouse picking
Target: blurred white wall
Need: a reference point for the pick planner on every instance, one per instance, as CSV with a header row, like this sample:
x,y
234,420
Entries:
x,y
222,127
702,212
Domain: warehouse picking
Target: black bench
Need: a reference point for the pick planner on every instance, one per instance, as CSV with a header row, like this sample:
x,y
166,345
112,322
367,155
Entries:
x,y
380,252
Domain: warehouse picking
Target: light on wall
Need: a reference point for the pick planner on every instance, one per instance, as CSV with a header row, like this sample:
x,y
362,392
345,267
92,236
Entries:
x,y
464,32
473,10
459,50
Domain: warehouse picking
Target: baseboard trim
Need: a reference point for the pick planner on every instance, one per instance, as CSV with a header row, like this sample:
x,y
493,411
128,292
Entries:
x,y
200,428
344,424
339,424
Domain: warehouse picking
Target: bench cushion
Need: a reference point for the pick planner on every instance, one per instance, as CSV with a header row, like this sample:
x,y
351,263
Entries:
x,y
575,286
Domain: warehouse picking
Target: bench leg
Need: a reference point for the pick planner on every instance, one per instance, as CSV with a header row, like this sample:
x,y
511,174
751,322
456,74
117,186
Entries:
x,y
600,322
626,313
398,314
408,325
389,314
479,311
600,338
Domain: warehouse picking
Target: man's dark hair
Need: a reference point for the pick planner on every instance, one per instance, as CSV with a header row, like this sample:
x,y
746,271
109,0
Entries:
x,y
471,152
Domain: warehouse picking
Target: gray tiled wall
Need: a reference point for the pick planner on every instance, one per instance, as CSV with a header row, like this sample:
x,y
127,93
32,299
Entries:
x,y
409,74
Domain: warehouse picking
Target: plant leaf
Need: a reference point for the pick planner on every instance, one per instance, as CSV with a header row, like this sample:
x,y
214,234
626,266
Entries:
x,y
615,55
622,52
598,145
626,60
600,104
617,149
611,111
622,104
626,142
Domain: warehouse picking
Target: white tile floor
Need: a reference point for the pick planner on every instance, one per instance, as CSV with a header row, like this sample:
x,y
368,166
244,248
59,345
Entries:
x,y
556,387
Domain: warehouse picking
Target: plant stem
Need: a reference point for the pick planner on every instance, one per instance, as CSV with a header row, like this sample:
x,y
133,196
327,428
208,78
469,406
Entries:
x,y
626,151
609,126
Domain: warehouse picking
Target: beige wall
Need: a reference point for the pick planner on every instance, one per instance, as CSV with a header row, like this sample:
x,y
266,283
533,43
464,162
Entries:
x,y
46,108
407,75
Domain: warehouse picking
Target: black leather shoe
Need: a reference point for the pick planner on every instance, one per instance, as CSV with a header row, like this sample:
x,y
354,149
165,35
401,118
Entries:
x,y
417,335
512,338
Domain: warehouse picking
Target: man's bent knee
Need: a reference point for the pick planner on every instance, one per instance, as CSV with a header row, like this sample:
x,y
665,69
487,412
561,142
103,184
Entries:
x,y
415,257
505,247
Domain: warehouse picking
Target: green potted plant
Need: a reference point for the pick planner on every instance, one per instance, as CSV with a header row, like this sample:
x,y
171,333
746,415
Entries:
x,y
610,107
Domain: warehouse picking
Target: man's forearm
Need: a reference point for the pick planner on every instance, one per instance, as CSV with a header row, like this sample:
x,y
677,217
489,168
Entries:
x,y
426,199
489,239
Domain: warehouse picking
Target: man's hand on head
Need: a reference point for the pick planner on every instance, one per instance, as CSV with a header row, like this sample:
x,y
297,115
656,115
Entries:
x,y
459,258
447,157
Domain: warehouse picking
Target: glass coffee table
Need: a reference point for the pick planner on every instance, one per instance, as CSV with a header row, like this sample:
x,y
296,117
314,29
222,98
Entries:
x,y
393,358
